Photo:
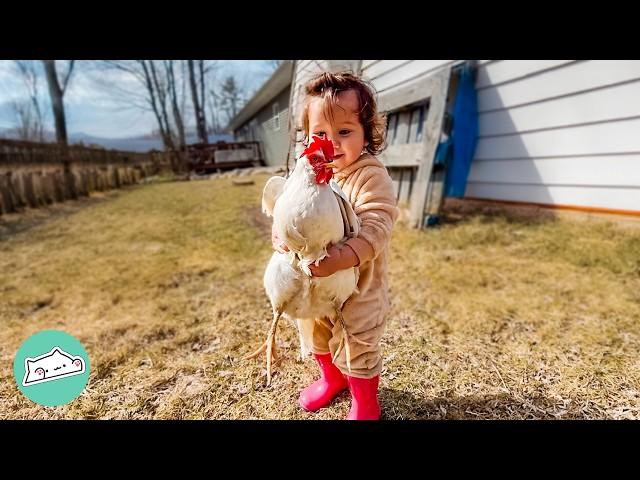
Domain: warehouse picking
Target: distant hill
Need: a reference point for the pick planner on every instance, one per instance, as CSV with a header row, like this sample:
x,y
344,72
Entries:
x,y
130,144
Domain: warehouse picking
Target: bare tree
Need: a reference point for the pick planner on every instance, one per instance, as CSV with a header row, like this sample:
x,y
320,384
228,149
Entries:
x,y
158,87
183,92
57,90
30,113
162,87
214,108
196,81
231,97
27,127
213,98
177,115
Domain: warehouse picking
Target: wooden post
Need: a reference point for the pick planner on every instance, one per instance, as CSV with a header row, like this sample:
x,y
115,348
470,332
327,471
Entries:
x,y
432,128
5,190
27,178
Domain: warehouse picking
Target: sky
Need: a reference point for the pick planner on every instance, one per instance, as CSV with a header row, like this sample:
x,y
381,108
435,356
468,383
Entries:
x,y
93,107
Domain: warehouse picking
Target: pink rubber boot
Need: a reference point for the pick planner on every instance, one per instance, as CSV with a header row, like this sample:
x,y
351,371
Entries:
x,y
321,392
364,394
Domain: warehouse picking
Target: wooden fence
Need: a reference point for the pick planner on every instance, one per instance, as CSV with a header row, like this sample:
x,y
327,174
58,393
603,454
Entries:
x,y
37,174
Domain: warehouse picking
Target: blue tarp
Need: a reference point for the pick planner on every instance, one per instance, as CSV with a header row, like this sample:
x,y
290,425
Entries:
x,y
464,135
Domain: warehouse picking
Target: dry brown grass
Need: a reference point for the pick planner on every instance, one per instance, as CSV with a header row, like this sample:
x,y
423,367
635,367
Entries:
x,y
492,317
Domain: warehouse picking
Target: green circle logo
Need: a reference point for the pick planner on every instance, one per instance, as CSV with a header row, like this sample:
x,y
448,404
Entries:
x,y
51,368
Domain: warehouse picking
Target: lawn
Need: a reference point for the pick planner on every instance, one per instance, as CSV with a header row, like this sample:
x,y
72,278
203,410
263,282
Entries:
x,y
492,317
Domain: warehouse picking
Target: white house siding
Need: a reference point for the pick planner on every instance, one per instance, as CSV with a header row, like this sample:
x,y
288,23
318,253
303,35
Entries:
x,y
558,132
263,127
389,77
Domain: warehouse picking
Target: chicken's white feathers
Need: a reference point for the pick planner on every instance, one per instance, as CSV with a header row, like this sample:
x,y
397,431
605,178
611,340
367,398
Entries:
x,y
270,194
307,217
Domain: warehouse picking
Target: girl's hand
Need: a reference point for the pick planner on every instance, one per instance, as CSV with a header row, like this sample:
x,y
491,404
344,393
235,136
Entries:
x,y
278,245
337,259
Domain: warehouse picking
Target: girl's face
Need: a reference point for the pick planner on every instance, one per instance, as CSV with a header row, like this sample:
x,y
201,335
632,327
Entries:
x,y
346,133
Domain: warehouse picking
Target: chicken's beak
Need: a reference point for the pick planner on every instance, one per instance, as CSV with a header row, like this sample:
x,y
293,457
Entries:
x,y
329,165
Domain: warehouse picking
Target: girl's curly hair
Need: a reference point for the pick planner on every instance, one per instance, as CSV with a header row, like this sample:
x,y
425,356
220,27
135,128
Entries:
x,y
327,86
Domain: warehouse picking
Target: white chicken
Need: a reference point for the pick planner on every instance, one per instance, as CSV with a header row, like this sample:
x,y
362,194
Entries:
x,y
310,212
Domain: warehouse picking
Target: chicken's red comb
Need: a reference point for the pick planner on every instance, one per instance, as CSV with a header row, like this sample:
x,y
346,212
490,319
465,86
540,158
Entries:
x,y
320,144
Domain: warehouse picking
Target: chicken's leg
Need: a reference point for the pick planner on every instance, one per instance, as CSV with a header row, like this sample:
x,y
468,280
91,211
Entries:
x,y
344,341
269,345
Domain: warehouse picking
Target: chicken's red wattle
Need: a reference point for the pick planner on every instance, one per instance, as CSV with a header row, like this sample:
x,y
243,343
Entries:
x,y
320,145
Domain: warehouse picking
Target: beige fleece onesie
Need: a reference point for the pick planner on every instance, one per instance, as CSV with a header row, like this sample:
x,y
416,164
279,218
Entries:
x,y
369,188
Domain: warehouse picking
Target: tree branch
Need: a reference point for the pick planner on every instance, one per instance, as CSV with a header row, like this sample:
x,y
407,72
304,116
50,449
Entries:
x,y
68,76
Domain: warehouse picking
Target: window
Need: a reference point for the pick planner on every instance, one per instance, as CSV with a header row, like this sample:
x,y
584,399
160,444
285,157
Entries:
x,y
420,124
392,128
415,125
406,125
276,116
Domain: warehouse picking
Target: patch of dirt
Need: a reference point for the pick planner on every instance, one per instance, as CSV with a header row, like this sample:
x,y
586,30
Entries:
x,y
259,220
